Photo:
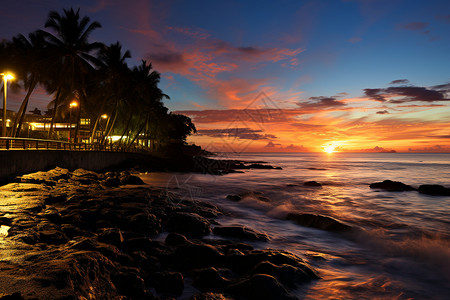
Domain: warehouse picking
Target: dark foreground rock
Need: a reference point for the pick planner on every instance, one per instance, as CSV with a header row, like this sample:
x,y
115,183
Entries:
x,y
71,236
392,186
318,221
434,189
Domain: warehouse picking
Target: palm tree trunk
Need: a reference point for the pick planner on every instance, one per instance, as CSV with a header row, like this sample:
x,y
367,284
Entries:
x,y
23,109
55,106
126,127
110,127
136,136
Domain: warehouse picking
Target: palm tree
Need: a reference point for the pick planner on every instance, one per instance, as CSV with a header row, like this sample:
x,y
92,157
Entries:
x,y
114,72
146,97
71,53
29,58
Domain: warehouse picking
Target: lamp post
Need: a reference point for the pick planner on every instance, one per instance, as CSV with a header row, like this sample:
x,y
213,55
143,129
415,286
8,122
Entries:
x,y
6,77
104,117
72,104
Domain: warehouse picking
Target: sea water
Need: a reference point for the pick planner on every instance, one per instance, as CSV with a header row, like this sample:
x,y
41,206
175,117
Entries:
x,y
400,248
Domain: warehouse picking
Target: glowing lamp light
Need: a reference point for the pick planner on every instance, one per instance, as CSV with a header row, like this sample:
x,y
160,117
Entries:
x,y
104,116
73,104
8,76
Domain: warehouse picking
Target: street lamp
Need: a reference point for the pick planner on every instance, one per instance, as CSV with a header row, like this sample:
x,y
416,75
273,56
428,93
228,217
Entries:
x,y
72,104
6,77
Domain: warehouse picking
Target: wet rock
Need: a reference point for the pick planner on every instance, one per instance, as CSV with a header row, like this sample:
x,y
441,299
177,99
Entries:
x,y
392,186
14,296
175,239
240,232
312,183
137,244
131,179
260,287
48,178
112,236
235,198
188,224
209,279
318,221
111,182
196,255
211,296
144,223
248,260
52,237
286,274
434,189
129,283
169,284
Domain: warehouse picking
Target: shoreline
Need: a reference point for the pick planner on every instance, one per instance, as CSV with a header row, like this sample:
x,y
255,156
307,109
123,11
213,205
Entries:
x,y
78,234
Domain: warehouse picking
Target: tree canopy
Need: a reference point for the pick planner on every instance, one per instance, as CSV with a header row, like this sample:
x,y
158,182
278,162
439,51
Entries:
x,y
118,99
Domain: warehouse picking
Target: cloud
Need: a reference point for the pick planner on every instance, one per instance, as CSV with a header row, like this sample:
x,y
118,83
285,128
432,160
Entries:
x,y
321,102
399,81
414,26
446,18
382,112
240,133
271,145
404,94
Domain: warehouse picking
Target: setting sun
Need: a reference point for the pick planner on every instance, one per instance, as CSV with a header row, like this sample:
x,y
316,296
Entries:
x,y
329,149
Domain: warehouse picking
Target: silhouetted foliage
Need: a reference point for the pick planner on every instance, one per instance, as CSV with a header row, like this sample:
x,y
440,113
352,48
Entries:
x,y
117,99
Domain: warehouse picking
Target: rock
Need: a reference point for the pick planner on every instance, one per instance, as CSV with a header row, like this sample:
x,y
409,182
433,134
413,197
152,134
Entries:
x,y
188,224
318,221
240,232
111,182
112,236
144,223
129,283
312,183
211,296
209,279
260,287
434,189
137,244
248,260
286,274
392,186
52,237
169,284
234,198
48,178
131,179
175,239
14,296
196,255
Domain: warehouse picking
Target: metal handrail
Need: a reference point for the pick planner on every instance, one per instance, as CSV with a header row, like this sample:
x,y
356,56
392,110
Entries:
x,y
10,143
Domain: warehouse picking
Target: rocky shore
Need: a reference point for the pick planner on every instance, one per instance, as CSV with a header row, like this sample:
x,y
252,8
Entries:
x,y
86,235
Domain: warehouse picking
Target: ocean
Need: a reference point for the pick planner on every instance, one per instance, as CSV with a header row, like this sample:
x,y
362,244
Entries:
x,y
400,248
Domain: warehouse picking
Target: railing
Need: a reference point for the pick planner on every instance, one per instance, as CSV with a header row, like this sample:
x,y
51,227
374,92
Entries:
x,y
8,143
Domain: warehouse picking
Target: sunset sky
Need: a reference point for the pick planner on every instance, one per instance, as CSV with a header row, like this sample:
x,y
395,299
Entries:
x,y
275,76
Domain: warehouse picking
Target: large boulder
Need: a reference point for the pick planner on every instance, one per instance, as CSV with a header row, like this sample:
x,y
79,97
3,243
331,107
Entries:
x,y
260,287
240,232
392,186
169,284
188,224
318,221
209,279
434,189
196,255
